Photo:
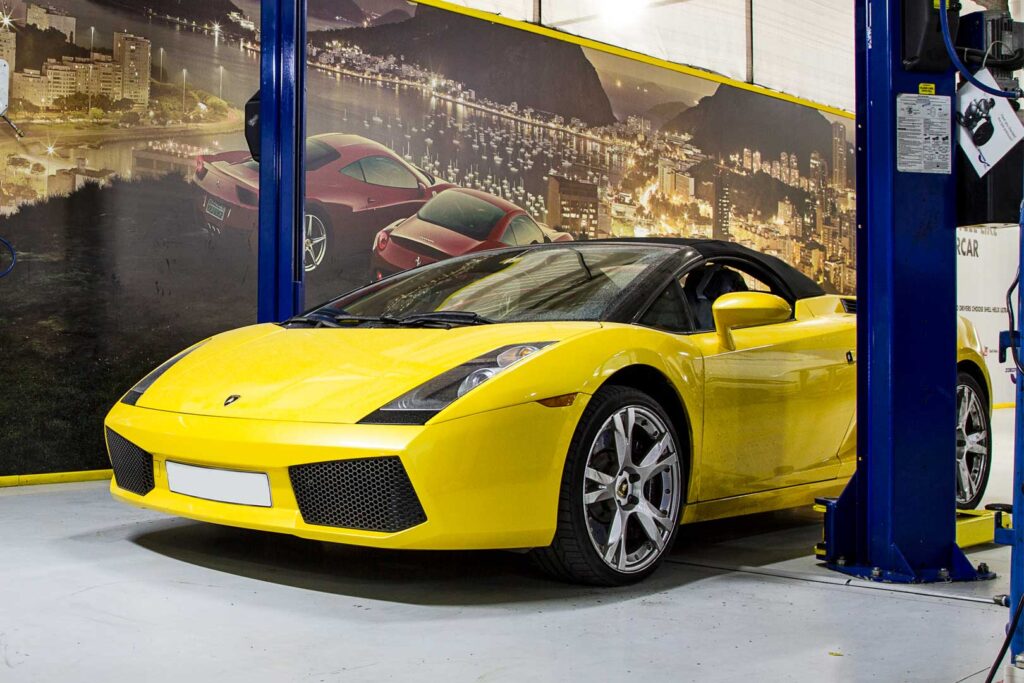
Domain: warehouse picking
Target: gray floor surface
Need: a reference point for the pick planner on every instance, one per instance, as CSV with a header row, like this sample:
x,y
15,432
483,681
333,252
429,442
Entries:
x,y
91,590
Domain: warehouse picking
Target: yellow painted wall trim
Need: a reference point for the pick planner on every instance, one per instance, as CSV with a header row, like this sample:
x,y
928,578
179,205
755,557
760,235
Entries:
x,y
632,54
1002,406
54,478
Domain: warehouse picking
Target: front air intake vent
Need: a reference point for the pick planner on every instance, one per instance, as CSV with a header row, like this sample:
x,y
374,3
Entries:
x,y
133,467
369,494
850,306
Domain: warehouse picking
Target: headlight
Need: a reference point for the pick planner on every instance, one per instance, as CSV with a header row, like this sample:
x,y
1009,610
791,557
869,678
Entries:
x,y
430,398
132,397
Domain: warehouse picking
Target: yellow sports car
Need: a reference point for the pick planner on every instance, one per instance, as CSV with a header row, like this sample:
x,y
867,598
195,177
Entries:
x,y
577,399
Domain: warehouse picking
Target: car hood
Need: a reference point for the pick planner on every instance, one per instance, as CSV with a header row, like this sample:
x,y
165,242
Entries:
x,y
326,374
434,238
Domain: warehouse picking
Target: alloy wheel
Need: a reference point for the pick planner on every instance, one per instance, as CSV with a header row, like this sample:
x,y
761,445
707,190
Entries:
x,y
972,444
632,489
314,242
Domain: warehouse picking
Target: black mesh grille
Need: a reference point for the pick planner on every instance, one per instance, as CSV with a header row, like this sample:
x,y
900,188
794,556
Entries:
x,y
133,467
371,494
850,306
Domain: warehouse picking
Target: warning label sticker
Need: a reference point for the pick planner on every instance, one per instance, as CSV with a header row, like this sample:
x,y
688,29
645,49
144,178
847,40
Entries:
x,y
924,134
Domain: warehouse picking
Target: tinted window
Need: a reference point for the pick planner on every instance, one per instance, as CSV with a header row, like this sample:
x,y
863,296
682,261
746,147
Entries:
x,y
667,312
319,154
388,172
354,170
515,285
526,231
463,213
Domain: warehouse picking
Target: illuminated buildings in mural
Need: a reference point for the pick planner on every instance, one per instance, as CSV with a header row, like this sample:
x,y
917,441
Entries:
x,y
45,18
123,76
133,54
839,155
573,206
722,217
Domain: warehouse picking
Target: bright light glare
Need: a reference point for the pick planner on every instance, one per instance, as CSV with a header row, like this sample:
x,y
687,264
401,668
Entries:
x,y
618,13
6,21
51,150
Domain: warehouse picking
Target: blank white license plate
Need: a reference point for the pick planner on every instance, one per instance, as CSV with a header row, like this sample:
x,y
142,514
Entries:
x,y
216,209
225,486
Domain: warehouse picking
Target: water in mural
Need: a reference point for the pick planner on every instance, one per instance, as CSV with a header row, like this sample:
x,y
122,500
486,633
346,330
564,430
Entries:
x,y
132,202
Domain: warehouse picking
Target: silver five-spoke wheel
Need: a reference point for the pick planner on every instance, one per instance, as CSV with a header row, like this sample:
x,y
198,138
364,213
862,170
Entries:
x,y
314,242
973,449
632,489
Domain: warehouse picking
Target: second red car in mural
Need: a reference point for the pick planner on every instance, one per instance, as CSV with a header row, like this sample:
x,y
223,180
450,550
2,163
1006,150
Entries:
x,y
354,187
455,222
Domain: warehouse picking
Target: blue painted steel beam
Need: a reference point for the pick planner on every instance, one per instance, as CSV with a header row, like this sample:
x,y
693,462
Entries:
x,y
1017,556
282,158
896,520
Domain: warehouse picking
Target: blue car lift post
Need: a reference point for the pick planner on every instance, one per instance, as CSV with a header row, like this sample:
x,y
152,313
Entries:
x,y
896,519
282,158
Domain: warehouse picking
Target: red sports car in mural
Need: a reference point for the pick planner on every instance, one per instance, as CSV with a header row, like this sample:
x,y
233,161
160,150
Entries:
x,y
455,222
354,187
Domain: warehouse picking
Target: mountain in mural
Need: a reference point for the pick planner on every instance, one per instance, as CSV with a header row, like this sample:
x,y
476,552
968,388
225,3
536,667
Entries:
x,y
346,10
733,118
200,11
498,62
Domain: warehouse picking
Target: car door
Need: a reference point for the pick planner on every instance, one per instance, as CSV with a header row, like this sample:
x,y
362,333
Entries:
x,y
777,405
387,191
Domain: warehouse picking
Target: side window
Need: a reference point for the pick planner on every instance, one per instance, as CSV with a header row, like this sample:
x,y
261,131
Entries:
x,y
388,172
703,285
508,237
668,312
355,170
525,231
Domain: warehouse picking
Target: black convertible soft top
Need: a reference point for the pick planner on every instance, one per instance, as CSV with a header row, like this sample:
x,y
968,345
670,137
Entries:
x,y
798,284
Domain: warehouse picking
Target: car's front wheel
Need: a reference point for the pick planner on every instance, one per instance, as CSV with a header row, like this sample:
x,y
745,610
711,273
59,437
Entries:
x,y
973,442
622,490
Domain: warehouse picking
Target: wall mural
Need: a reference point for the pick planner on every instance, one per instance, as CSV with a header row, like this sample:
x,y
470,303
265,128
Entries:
x,y
132,202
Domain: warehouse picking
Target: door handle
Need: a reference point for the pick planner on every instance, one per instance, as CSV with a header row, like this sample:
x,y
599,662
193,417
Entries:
x,y
371,200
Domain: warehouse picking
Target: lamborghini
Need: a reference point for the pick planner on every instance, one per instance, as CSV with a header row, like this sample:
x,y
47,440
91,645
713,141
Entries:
x,y
576,400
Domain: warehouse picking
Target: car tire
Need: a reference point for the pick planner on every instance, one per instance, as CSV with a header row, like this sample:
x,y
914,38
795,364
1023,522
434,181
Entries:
x,y
599,485
973,441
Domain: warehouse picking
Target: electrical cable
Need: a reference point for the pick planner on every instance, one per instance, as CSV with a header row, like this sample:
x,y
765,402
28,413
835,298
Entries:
x,y
1014,95
14,258
951,50
1006,641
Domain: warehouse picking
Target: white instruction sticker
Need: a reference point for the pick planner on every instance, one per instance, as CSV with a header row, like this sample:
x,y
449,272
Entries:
x,y
924,127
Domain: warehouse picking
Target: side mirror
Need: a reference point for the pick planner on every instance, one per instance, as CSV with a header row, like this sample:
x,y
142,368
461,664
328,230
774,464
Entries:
x,y
424,190
252,126
747,309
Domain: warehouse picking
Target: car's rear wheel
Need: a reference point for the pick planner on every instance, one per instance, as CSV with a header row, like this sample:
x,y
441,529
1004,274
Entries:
x,y
314,239
973,442
622,490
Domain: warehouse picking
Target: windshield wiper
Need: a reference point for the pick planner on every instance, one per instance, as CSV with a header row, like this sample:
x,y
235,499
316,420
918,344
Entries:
x,y
445,319
311,319
343,318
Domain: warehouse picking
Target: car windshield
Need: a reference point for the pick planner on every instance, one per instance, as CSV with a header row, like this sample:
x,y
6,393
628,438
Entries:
x,y
463,213
548,283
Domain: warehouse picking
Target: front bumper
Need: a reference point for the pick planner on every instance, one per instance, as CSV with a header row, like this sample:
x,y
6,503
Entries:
x,y
486,481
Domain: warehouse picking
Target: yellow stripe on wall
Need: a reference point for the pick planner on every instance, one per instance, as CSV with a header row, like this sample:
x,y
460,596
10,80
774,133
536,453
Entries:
x,y
632,54
54,478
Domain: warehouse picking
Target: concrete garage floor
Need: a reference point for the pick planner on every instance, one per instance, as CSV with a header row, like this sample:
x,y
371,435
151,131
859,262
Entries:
x,y
91,590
